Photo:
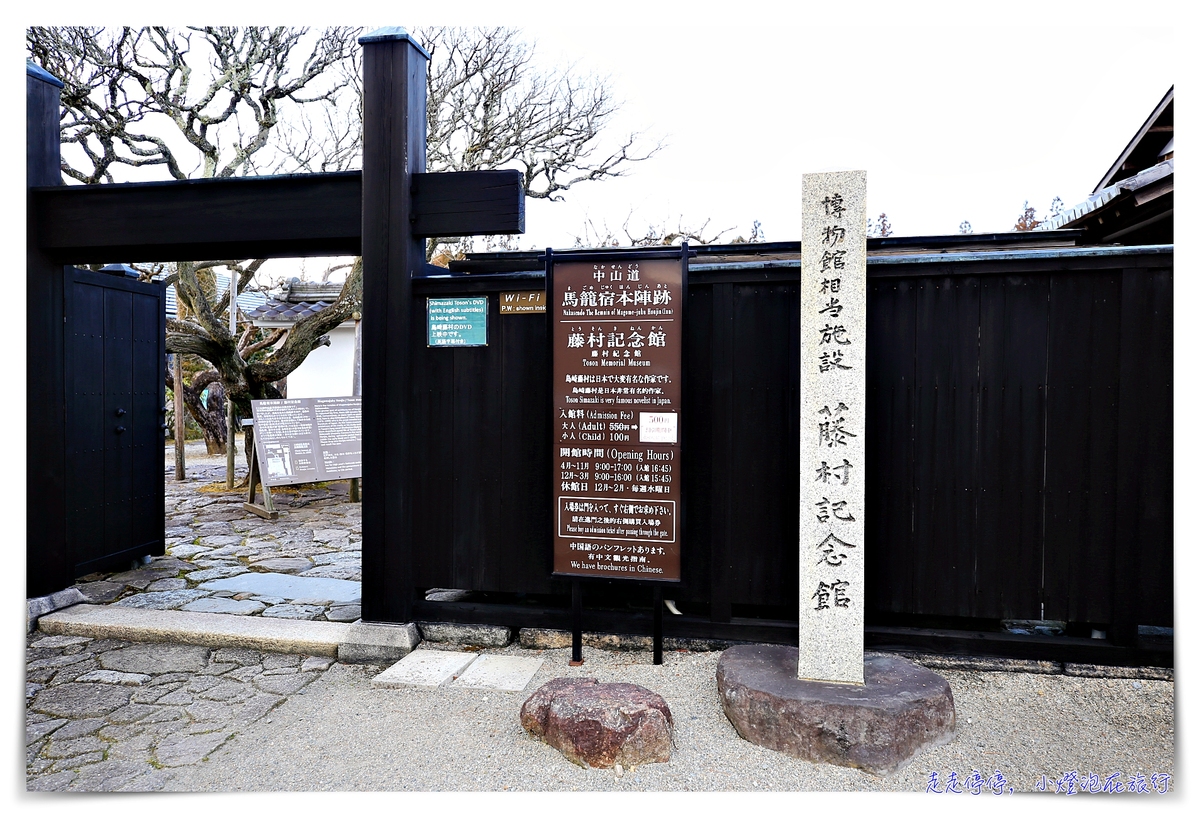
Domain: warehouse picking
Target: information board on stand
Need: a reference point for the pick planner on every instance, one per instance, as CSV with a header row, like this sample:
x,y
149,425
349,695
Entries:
x,y
617,335
305,440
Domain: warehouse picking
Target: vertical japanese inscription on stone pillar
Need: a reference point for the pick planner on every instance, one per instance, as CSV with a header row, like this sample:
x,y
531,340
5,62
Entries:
x,y
618,340
832,421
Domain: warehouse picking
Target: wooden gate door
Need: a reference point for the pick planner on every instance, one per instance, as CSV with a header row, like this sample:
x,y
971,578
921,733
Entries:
x,y
115,352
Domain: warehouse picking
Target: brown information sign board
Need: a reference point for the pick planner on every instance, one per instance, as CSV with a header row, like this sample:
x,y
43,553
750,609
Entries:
x,y
617,335
303,440
523,302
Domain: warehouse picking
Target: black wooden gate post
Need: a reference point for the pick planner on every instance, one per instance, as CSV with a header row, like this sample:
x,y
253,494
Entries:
x,y
394,126
48,564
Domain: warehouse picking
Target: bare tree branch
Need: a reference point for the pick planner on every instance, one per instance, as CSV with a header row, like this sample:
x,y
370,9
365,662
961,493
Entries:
x,y
268,340
489,105
308,331
203,101
225,101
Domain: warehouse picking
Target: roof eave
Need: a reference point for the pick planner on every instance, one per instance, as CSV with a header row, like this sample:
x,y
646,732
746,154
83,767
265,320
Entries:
x,y
1167,99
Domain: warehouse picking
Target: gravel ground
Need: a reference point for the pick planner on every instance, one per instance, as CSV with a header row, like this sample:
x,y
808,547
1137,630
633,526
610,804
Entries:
x,y
340,734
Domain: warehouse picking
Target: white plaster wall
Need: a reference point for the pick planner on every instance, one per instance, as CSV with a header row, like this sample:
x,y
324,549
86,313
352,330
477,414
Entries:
x,y
327,372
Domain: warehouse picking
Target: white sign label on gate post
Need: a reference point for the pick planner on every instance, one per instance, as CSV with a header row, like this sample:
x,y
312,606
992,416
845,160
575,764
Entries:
x,y
832,425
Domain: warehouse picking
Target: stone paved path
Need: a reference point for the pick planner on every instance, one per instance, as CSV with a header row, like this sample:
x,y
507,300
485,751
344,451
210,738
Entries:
x,y
109,715
105,714
210,537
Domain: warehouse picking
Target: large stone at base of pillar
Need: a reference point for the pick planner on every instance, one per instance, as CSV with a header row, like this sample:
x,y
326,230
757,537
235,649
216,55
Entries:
x,y
901,710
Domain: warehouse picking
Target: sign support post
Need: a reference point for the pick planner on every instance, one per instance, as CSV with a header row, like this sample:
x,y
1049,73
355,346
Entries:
x,y
267,510
356,390
658,624
576,623
231,437
180,424
616,333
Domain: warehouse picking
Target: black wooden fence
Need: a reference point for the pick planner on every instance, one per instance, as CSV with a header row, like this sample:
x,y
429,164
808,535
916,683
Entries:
x,y
1019,436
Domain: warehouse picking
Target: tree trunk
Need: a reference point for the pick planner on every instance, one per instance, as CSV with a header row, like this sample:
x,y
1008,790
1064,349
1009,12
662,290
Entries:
x,y
211,419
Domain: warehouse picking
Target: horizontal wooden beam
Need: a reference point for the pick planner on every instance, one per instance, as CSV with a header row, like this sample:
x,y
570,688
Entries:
x,y
248,217
318,214
468,203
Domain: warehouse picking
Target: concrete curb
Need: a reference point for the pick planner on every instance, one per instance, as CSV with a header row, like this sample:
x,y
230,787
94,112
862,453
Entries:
x,y
937,661
550,638
377,642
39,606
347,642
380,643
196,628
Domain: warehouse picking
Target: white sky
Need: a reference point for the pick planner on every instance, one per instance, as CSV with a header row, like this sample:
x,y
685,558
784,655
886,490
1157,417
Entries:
x,y
955,110
949,124
951,121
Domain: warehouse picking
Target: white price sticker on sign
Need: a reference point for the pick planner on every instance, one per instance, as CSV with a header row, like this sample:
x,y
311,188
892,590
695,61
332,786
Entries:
x,y
658,427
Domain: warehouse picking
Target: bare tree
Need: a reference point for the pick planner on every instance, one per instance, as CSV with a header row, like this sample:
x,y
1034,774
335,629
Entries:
x,y
203,102
879,229
490,105
119,85
1028,218
215,102
659,234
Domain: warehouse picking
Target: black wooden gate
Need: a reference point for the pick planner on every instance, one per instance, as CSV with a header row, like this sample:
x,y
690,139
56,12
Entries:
x,y
115,345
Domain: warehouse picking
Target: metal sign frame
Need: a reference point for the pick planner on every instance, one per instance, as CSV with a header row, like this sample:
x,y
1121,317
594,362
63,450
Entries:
x,y
553,313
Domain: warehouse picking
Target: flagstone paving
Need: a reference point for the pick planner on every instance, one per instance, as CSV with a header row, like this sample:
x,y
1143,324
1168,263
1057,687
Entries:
x,y
106,714
110,715
223,559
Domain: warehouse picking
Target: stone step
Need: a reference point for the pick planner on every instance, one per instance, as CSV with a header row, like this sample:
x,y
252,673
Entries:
x,y
197,628
491,672
425,668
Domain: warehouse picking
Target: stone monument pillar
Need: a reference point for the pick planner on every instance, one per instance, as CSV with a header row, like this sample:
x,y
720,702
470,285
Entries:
x,y
825,701
833,389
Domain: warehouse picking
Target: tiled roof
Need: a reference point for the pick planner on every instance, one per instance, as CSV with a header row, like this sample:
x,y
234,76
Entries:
x,y
247,300
296,291
275,310
1102,197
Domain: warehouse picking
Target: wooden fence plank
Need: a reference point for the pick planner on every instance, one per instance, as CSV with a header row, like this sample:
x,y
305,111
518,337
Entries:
x,y
699,582
1143,568
961,429
945,387
433,413
889,499
1081,446
723,420
764,463
525,494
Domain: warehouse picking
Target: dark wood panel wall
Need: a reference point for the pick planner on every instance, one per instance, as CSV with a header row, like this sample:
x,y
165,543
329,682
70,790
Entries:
x,y
49,566
1018,430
